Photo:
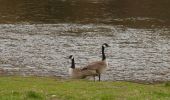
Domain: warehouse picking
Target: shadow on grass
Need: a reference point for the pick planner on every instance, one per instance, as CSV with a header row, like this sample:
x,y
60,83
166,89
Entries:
x,y
160,94
33,95
167,84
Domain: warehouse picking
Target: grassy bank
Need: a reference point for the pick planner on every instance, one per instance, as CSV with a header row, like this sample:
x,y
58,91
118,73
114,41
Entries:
x,y
36,88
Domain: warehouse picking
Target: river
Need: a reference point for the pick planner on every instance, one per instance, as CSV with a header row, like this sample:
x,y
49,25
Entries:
x,y
37,36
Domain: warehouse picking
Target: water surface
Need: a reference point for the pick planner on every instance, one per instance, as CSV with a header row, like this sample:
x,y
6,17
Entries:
x,y
37,36
133,13
43,50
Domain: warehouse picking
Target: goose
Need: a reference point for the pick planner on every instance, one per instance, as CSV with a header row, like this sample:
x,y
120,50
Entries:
x,y
80,73
99,66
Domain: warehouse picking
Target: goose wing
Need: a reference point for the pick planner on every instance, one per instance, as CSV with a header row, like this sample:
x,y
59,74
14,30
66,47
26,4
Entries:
x,y
82,73
96,65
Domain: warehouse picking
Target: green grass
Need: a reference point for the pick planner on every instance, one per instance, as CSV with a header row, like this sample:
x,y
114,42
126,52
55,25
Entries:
x,y
37,88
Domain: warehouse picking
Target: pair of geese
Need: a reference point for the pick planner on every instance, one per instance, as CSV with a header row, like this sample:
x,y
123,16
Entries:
x,y
92,69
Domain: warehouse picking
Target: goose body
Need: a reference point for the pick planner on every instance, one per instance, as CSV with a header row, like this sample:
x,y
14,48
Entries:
x,y
80,73
99,66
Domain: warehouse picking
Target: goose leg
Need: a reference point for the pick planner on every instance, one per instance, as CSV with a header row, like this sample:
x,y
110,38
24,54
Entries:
x,y
94,78
99,76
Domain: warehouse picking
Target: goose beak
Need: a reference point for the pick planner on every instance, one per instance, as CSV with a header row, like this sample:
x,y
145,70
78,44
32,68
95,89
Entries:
x,y
68,57
109,46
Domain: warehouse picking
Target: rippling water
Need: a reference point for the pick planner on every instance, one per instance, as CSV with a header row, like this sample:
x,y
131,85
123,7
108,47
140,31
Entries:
x,y
37,36
43,50
142,13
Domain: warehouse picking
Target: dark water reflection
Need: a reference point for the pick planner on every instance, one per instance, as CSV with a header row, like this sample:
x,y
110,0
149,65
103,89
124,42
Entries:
x,y
134,13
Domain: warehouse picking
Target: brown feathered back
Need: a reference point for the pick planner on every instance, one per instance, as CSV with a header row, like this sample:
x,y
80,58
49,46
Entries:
x,y
83,73
99,66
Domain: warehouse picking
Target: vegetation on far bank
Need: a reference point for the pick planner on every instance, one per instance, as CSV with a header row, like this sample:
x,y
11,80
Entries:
x,y
40,88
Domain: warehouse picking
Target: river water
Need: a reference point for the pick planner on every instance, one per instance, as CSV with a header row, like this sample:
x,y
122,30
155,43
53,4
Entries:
x,y
37,36
143,13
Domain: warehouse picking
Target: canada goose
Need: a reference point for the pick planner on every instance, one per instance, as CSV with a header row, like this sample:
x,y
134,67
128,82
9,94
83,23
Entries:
x,y
99,66
80,73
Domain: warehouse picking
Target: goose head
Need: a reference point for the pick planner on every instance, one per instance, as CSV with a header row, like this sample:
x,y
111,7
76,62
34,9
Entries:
x,y
71,57
105,45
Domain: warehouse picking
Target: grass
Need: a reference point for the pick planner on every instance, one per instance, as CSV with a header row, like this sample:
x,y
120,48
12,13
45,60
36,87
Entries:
x,y
38,88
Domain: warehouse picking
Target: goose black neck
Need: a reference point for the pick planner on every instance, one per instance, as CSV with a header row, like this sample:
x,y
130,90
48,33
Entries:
x,y
103,54
73,64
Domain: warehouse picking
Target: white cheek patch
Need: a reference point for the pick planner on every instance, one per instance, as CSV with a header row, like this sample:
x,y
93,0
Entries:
x,y
104,46
72,57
